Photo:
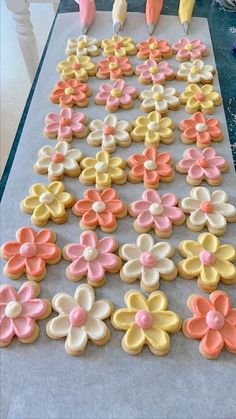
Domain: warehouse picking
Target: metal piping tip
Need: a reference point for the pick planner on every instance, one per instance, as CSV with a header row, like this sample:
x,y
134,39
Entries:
x,y
117,27
185,26
85,29
150,28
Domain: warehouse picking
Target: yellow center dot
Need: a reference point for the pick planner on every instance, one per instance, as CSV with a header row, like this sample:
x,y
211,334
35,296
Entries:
x,y
116,93
154,69
158,96
153,45
188,46
81,44
195,69
69,91
113,66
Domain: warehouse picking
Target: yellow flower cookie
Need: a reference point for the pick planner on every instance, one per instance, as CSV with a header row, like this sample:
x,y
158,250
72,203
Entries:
x,y
153,129
47,202
120,46
78,68
102,170
146,321
208,260
202,99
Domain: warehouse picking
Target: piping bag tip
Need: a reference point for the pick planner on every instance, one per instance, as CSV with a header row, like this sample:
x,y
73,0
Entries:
x,y
117,27
150,28
85,29
185,26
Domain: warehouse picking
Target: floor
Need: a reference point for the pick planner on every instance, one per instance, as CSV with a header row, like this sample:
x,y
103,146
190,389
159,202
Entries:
x,y
13,92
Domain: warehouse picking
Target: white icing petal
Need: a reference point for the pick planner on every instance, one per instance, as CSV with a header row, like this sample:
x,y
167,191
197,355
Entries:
x,y
101,309
190,204
161,105
59,326
145,242
162,250
150,277
96,329
147,94
47,150
132,268
130,252
228,210
170,91
198,217
165,266
70,164
74,153
62,147
63,303
201,193
108,141
122,136
44,162
216,220
219,196
96,135
84,295
172,100
111,120
122,125
158,88
149,102
76,339
97,124
56,169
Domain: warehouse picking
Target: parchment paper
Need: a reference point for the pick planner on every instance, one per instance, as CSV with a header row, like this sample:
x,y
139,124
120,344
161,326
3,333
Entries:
x,y
41,380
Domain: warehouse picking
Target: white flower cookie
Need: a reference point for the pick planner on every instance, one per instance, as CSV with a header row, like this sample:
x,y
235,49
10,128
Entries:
x,y
208,209
196,72
83,45
80,319
159,98
109,133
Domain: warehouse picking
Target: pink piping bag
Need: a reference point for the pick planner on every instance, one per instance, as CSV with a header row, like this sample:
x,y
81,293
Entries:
x,y
87,10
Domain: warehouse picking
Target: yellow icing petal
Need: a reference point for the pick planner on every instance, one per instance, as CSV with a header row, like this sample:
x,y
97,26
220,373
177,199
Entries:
x,y
80,73
226,252
206,104
194,88
64,197
126,40
116,173
63,65
158,339
88,162
165,132
192,266
193,103
155,117
142,120
106,43
134,338
89,66
129,47
84,60
213,96
41,213
38,189
73,59
117,38
56,208
68,72
207,89
120,52
166,320
140,131
103,179
103,156
153,137
31,202
135,301
56,187
226,269
185,96
190,248
165,123
89,174
157,301
209,275
123,318
116,162
210,242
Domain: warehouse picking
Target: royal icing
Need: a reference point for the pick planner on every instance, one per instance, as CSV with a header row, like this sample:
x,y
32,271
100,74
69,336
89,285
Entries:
x,y
19,312
151,72
78,68
156,211
120,46
70,93
100,208
153,129
200,129
146,321
154,49
200,98
115,95
208,260
208,209
160,98
30,253
187,49
79,319
147,261
83,45
213,322
114,67
91,257
109,133
196,72
65,124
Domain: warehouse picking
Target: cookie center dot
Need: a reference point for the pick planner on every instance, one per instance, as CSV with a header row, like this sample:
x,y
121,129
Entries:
x,y
150,165
154,69
116,92
81,44
28,250
201,162
158,96
201,127
99,206
188,46
90,254
199,96
154,126
77,316
46,198
109,130
153,45
76,66
65,121
156,209
207,258
118,44
195,69
113,66
148,259
207,206
58,157
69,91
215,320
13,309
101,167
144,319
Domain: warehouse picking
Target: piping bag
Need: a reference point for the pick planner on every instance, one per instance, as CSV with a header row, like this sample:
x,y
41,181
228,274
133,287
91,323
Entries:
x,y
87,10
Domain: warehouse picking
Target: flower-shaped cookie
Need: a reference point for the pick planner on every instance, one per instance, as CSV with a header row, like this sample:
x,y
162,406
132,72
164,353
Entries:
x,y
153,129
208,209
65,125
208,260
79,68
91,258
47,202
201,130
151,72
30,253
160,99
80,318
116,95
202,99
120,46
109,133
146,321
114,68
70,93
150,167
58,160
100,209
83,45
189,50
202,165
102,170
195,72
148,262
156,212
19,312
213,321
154,49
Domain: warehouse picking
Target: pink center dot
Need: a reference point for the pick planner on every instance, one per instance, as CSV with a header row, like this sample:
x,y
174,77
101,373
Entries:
x,y
76,66
207,258
58,157
202,162
108,130
28,250
77,316
117,45
65,121
207,206
144,319
148,259
199,96
215,320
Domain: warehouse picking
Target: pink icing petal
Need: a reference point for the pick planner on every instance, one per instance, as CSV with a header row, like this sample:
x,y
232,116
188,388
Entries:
x,y
25,235
10,248
106,219
190,133
151,153
34,308
141,68
116,73
199,118
228,332
43,236
193,153
185,164
108,195
221,302
164,169
106,244
78,118
23,327
34,266
216,161
145,219
212,343
64,131
169,200
119,84
115,206
95,271
7,293
90,218
159,77
215,132
195,53
74,251
151,176
66,100
52,127
113,102
203,137
181,43
138,170
163,158
200,305
26,292
92,195
79,267
212,172
16,264
106,88
107,260
151,196
52,118
83,205
212,122
2,309
125,99
137,158
208,153
89,239
103,96
129,90
174,213
197,327
183,54
140,206
47,251
196,172
6,330
66,113
162,222
231,316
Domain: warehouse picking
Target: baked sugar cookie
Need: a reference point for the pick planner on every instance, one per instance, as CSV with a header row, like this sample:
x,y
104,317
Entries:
x,y
79,68
154,49
208,209
207,260
91,258
20,311
156,212
80,318
153,129
83,45
116,95
151,72
120,46
147,322
147,261
159,98
185,49
202,99
65,125
195,72
114,68
213,322
71,93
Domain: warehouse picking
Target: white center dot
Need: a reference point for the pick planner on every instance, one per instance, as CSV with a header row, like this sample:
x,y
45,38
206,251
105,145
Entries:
x,y
153,126
101,167
150,165
99,206
156,209
201,127
90,254
46,198
13,309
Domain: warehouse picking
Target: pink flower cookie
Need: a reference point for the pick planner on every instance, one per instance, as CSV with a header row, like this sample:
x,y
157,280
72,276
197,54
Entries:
x,y
20,311
71,93
30,253
213,322
100,209
65,125
189,50
154,49
157,212
114,68
150,167
91,258
151,72
201,130
116,95
202,165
